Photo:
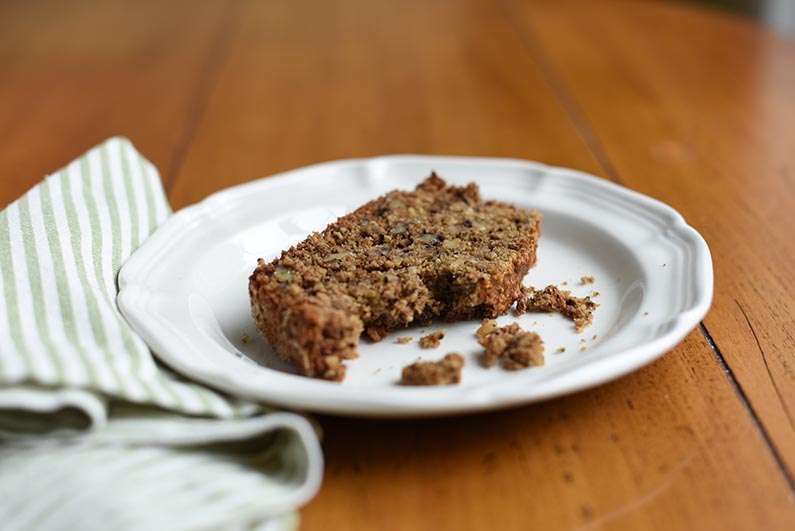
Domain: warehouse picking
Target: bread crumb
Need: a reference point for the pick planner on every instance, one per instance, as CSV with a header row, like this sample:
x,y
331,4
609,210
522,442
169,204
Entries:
x,y
432,340
334,369
594,337
445,371
595,294
583,348
586,280
486,327
552,299
521,303
564,283
245,338
516,348
645,313
559,350
402,340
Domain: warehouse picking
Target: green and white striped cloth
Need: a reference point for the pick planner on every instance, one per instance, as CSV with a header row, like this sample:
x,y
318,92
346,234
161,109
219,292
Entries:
x,y
94,434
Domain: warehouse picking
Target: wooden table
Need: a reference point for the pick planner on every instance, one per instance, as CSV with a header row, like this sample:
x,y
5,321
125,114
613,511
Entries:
x,y
694,107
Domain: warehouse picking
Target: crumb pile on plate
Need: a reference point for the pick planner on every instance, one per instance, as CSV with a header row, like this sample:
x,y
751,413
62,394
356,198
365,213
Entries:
x,y
432,340
552,299
445,371
407,257
514,347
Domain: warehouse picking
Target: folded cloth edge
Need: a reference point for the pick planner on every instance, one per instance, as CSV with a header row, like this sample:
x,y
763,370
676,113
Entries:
x,y
94,171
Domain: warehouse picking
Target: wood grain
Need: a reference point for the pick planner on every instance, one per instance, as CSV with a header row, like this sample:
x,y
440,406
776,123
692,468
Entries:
x,y
687,105
660,449
75,73
647,452
306,82
696,109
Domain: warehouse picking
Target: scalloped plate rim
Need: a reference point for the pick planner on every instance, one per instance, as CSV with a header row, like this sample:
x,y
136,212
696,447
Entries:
x,y
135,296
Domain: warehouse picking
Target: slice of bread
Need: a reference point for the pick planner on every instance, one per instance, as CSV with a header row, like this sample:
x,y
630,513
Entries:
x,y
401,259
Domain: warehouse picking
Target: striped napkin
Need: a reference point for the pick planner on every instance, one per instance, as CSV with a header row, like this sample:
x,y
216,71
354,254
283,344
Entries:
x,y
94,433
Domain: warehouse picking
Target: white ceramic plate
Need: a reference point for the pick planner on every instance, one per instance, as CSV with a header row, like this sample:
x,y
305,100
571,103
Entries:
x,y
186,289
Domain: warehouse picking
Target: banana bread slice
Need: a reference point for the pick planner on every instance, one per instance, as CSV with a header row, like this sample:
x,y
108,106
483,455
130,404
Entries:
x,y
404,258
